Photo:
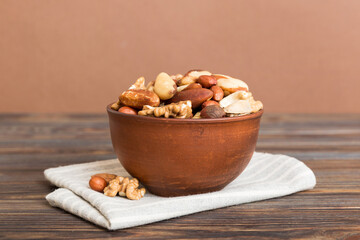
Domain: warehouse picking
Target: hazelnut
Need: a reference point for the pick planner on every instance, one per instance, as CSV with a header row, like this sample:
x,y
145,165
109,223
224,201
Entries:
x,y
97,183
128,110
212,111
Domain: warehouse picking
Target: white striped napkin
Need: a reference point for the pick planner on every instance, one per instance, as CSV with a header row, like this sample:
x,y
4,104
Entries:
x,y
267,176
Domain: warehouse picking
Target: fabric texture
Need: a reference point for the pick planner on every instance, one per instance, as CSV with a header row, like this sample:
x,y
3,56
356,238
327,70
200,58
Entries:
x,y
266,176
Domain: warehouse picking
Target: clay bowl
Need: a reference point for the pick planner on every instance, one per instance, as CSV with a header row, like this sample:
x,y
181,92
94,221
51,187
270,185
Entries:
x,y
177,157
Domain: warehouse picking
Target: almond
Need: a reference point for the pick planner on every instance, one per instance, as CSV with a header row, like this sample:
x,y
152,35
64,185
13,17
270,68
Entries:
x,y
137,98
208,103
107,176
206,81
197,96
218,93
212,111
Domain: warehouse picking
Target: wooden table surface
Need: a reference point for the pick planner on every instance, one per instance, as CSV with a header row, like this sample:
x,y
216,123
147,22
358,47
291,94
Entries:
x,y
328,144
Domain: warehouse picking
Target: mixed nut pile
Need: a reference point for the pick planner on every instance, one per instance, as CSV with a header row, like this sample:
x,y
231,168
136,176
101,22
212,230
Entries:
x,y
112,185
180,96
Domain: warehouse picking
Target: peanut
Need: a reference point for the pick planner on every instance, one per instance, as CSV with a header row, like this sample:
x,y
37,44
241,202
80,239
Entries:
x,y
207,81
218,93
208,103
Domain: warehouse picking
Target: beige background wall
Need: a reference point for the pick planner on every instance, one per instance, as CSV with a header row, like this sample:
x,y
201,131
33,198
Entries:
x,y
78,56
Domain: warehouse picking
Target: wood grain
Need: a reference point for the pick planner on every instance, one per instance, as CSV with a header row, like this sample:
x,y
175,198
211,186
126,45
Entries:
x,y
328,144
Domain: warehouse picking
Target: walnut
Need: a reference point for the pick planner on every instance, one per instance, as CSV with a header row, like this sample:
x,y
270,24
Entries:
x,y
123,186
139,84
150,86
116,106
180,109
197,115
132,191
113,188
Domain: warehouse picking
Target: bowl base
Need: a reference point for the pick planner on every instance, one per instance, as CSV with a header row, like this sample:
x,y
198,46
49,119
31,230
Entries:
x,y
163,192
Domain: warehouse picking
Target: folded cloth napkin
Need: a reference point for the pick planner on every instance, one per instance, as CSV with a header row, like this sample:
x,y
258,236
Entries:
x,y
266,176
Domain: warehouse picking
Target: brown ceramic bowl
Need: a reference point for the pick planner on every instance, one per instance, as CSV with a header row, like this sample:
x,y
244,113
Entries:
x,y
177,157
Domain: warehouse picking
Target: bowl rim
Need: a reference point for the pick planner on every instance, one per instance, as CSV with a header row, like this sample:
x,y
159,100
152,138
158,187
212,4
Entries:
x,y
187,120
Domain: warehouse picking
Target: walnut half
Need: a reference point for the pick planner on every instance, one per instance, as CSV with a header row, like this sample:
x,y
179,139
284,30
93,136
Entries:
x,y
180,109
